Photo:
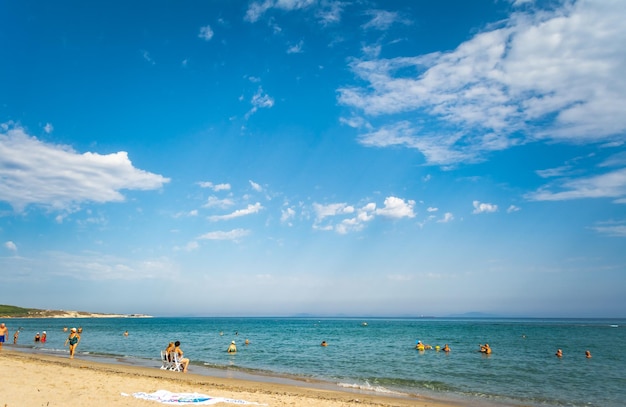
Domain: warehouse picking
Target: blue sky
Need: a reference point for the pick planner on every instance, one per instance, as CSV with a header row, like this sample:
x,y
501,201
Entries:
x,y
277,157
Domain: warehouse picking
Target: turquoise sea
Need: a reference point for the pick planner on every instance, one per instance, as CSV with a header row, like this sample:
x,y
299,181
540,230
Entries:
x,y
375,354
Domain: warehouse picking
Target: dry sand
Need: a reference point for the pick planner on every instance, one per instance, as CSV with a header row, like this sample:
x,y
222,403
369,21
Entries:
x,y
50,381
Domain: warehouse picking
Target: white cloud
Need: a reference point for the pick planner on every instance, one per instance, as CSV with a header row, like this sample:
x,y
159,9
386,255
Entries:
x,y
397,208
513,208
100,266
382,19
234,234
260,100
480,207
325,214
48,128
250,210
206,33
330,12
146,56
608,185
296,48
255,186
215,202
57,177
554,75
323,211
432,209
11,246
612,228
447,217
256,9
215,187
286,215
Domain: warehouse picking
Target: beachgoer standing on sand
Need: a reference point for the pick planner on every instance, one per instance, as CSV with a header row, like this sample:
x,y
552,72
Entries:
x,y
73,340
4,333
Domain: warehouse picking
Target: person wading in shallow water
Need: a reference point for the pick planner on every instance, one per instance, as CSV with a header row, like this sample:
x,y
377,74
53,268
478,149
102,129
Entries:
x,y
73,340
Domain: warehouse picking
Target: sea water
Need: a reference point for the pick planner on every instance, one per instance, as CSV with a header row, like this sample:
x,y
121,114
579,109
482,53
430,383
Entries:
x,y
376,355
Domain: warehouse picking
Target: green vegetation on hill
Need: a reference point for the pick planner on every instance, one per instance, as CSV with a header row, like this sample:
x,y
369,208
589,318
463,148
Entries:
x,y
13,311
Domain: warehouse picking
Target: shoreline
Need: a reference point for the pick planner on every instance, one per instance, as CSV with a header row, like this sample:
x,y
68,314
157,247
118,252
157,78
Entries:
x,y
59,379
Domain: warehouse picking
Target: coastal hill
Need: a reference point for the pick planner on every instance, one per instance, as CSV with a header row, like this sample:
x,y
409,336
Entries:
x,y
10,311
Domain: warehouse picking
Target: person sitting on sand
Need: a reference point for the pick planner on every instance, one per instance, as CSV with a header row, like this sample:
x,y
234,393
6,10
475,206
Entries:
x,y
588,354
170,348
232,348
73,340
559,353
183,361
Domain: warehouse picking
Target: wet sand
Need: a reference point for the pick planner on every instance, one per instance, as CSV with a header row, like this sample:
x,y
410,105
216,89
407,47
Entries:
x,y
51,381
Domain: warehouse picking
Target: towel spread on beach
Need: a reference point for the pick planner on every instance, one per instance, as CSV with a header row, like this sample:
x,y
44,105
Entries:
x,y
167,397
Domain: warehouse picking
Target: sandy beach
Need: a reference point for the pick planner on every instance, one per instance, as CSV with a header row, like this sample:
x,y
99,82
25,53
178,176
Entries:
x,y
43,380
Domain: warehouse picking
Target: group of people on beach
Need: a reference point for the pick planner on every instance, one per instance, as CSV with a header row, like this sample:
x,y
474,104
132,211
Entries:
x,y
72,340
174,352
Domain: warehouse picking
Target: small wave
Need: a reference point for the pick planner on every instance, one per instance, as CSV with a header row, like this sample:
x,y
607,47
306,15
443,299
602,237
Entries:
x,y
368,387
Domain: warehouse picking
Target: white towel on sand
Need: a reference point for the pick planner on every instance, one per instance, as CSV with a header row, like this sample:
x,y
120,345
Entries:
x,y
167,397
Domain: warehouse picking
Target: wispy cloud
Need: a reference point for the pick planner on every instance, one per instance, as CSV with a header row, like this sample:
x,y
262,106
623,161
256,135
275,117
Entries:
x,y
206,33
382,20
540,75
260,100
59,178
255,186
257,9
296,48
611,228
249,210
608,185
146,56
234,234
214,187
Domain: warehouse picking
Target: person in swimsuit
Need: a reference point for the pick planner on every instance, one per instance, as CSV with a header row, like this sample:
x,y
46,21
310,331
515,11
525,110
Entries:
x,y
4,332
232,348
73,340
179,352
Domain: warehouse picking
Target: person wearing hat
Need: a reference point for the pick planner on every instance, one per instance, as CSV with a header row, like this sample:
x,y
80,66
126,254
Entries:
x,y
73,340
43,336
232,348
